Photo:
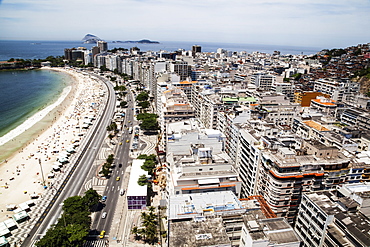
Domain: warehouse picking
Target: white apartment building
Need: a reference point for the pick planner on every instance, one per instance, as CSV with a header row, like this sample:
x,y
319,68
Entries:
x,y
263,81
181,68
197,161
284,88
327,220
221,219
286,172
249,154
339,90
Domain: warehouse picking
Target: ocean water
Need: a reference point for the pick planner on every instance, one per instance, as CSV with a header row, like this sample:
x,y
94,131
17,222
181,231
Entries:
x,y
42,49
24,93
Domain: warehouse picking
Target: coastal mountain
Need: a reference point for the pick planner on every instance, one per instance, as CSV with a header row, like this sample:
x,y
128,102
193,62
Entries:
x,y
143,41
91,39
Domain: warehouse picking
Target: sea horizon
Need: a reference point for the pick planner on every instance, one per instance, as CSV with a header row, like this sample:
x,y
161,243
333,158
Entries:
x,y
40,49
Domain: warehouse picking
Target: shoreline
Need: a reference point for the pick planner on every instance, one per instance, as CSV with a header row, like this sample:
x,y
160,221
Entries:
x,y
29,168
36,124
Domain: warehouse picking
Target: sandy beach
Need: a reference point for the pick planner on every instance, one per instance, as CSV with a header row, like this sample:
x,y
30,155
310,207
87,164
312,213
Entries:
x,y
56,131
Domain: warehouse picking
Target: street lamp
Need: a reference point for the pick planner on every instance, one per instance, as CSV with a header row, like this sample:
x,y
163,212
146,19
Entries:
x,y
42,173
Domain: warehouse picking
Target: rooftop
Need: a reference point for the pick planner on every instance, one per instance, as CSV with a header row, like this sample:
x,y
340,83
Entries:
x,y
275,230
315,125
134,189
201,232
200,204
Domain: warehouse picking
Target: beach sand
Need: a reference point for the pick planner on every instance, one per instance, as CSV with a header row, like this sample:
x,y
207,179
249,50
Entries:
x,y
20,174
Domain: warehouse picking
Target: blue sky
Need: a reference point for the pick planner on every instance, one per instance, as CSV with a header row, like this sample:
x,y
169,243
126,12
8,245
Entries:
x,y
316,23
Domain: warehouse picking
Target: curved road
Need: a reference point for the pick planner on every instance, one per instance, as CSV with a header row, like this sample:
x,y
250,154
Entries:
x,y
76,177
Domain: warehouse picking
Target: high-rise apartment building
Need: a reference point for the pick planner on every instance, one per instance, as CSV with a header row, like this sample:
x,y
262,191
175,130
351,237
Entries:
x,y
196,49
181,68
329,219
103,46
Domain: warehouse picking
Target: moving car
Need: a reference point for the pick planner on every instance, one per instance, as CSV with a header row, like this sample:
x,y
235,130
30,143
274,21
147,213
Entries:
x,y
104,215
118,178
104,198
127,141
102,234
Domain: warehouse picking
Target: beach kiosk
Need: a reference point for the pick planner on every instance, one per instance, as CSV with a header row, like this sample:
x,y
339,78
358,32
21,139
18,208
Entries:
x,y
4,231
20,217
30,203
24,206
11,207
10,224
56,168
71,149
3,242
34,196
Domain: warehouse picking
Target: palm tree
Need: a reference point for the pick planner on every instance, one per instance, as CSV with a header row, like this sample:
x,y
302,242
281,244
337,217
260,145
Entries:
x,y
135,231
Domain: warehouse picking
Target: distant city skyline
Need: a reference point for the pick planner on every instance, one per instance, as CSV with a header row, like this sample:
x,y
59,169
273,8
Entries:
x,y
314,23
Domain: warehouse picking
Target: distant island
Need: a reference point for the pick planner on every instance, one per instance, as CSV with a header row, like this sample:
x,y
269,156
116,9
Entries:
x,y
143,41
91,39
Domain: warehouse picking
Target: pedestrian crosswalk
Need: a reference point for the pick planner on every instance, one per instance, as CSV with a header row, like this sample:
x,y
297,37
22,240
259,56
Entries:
x,y
96,243
96,184
104,152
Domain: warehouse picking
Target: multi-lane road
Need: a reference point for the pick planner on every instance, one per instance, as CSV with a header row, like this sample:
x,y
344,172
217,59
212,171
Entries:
x,y
113,187
82,170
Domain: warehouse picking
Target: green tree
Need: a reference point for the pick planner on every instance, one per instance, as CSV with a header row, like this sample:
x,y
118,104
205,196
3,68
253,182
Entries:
x,y
112,127
148,121
143,180
149,231
152,157
76,234
143,96
54,237
103,68
110,159
105,172
135,231
123,104
91,198
74,204
149,124
149,166
144,104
